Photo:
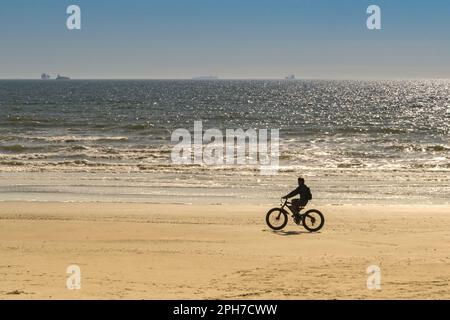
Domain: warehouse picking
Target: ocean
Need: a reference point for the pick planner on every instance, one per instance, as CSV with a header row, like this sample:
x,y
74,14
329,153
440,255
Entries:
x,y
354,141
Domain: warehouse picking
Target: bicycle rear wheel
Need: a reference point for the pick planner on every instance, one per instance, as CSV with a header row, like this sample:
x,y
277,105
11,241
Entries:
x,y
277,218
313,220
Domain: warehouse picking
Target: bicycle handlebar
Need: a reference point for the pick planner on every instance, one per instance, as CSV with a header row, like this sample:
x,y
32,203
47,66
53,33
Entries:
x,y
285,202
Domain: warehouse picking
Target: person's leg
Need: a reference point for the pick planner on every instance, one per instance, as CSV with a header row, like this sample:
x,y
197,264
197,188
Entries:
x,y
295,206
302,204
296,210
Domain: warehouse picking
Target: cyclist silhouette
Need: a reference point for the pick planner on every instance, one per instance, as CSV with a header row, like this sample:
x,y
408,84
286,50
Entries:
x,y
305,195
312,220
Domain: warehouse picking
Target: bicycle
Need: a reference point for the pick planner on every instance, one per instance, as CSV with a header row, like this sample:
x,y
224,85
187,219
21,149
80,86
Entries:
x,y
277,218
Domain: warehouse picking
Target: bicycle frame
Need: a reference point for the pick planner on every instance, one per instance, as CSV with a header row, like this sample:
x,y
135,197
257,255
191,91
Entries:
x,y
286,202
285,205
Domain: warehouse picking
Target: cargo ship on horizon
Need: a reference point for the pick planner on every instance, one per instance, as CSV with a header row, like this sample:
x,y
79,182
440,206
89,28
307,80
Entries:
x,y
59,77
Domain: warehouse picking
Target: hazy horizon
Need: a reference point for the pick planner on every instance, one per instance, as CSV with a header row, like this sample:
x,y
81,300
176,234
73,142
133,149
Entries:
x,y
236,78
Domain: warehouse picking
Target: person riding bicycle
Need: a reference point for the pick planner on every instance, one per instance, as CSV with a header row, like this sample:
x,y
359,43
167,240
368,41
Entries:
x,y
312,219
305,195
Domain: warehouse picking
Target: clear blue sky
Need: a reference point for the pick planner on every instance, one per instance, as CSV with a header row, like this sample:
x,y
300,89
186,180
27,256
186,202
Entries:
x,y
229,38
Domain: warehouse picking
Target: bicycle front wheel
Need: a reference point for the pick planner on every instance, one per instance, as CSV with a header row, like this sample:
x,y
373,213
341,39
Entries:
x,y
277,218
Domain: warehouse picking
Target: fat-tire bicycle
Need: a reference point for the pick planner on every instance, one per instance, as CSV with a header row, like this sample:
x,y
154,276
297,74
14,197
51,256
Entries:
x,y
277,218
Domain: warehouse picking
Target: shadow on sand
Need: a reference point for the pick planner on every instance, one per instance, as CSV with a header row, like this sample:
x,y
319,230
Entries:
x,y
291,233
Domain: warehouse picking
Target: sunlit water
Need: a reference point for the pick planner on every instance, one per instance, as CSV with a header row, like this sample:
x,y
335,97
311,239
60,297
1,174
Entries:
x,y
355,142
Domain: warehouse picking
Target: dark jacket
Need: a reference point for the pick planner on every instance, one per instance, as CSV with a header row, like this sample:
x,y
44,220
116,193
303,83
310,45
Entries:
x,y
303,191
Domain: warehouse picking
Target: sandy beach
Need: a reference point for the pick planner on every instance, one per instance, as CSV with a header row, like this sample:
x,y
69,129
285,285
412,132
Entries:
x,y
149,251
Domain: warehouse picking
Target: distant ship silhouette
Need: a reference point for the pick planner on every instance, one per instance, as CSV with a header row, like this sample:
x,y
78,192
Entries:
x,y
59,77
45,76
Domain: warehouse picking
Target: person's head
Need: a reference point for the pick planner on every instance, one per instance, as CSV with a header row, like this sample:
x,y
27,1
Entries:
x,y
301,181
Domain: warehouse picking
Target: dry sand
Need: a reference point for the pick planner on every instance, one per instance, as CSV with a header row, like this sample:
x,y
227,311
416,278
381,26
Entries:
x,y
145,251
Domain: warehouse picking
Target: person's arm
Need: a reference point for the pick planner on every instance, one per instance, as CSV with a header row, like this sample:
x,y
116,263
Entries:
x,y
291,194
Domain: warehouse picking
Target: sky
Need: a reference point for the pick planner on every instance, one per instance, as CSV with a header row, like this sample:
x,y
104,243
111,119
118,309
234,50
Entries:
x,y
171,39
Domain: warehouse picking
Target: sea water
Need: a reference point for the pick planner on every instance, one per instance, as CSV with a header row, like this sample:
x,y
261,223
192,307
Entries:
x,y
353,141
